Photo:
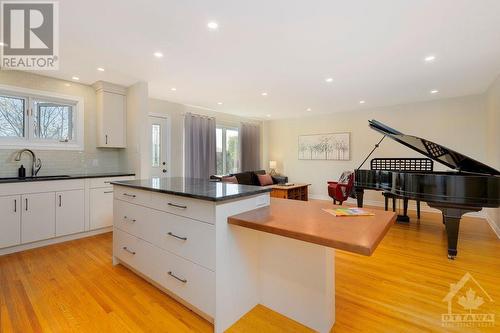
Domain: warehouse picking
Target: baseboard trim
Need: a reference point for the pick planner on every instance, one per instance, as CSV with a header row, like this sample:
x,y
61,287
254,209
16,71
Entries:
x,y
45,242
493,225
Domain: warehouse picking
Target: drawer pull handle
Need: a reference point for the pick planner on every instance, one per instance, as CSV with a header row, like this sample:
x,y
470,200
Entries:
x,y
107,182
177,278
177,206
178,237
126,218
129,195
126,249
108,192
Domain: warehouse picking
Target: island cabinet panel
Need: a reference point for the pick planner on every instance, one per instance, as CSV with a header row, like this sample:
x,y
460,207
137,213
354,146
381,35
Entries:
x,y
190,239
183,206
128,194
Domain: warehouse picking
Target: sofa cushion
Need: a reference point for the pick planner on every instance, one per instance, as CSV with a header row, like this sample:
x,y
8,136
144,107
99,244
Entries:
x,y
244,178
265,180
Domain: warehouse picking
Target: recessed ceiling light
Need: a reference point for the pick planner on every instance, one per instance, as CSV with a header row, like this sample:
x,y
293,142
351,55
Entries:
x,y
76,78
173,89
158,54
264,94
100,69
362,102
430,58
329,80
220,103
2,44
434,91
212,25
308,109
67,84
268,115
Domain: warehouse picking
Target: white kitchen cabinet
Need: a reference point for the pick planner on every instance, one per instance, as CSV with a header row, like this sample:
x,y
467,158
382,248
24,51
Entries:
x,y
101,207
10,222
111,115
70,212
38,217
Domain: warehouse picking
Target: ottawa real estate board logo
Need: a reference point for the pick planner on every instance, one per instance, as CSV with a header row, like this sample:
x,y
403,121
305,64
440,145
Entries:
x,y
467,301
30,35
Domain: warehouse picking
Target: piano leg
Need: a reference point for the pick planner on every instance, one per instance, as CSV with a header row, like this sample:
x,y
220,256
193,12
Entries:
x,y
359,196
451,220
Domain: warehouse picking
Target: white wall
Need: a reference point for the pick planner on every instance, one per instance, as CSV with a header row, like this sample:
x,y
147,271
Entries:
x,y
493,148
457,123
138,151
175,114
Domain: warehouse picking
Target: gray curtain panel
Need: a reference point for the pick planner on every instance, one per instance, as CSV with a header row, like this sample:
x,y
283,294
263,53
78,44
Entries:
x,y
250,147
199,146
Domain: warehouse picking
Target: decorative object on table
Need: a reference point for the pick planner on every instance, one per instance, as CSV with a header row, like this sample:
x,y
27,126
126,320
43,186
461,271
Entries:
x,y
272,168
348,212
340,191
295,192
331,146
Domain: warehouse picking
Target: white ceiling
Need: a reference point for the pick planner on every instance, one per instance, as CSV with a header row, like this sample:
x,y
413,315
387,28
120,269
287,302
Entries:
x,y
373,50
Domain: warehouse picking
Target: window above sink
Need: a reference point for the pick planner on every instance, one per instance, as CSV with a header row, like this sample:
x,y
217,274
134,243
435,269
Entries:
x,y
40,120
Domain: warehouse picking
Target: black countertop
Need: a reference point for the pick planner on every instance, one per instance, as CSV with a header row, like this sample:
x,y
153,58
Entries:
x,y
194,188
63,177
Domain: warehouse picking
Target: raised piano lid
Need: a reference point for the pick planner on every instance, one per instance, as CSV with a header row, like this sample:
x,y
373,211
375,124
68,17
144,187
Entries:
x,y
435,151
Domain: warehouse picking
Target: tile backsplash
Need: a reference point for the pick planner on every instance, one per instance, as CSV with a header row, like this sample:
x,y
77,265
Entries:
x,y
56,162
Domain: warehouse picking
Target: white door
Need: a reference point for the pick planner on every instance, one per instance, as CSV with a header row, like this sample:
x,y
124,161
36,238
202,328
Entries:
x,y
101,208
158,128
38,217
10,221
70,207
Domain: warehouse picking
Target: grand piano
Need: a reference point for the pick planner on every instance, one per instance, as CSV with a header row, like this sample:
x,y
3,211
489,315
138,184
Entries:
x,y
471,187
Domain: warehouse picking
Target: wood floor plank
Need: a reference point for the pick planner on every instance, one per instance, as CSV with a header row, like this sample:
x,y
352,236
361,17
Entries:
x,y
73,287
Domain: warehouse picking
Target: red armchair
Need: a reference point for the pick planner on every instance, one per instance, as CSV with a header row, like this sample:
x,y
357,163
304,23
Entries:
x,y
339,191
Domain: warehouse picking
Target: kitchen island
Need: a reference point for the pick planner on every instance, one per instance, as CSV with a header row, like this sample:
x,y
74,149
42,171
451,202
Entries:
x,y
221,249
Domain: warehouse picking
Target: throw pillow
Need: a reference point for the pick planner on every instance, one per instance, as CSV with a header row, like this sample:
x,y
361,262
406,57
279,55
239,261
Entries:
x,y
265,180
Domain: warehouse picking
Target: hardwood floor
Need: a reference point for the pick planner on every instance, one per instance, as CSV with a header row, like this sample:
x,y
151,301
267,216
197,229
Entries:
x,y
72,287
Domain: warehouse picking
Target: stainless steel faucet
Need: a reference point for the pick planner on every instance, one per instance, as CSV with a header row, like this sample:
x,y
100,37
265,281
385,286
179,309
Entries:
x,y
36,162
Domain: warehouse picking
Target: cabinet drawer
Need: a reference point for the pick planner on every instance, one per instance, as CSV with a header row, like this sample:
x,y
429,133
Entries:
x,y
196,209
191,282
133,219
131,250
132,195
106,182
185,237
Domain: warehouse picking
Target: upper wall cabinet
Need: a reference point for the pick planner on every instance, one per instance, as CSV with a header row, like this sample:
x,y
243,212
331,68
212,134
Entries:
x,y
111,115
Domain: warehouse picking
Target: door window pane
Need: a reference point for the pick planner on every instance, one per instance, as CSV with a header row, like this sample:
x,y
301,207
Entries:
x,y
52,121
156,137
12,117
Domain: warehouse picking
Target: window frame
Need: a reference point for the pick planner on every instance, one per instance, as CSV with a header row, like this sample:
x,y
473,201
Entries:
x,y
29,140
224,129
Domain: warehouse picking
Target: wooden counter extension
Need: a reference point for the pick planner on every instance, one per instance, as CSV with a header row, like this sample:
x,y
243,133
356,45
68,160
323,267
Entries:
x,y
306,221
